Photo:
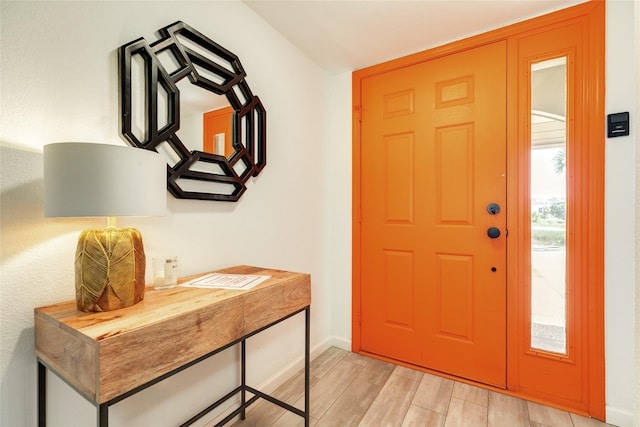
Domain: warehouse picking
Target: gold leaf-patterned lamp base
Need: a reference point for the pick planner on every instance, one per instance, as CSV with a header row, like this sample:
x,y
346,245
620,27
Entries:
x,y
110,269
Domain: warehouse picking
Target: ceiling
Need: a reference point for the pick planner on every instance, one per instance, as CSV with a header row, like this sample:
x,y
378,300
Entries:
x,y
345,35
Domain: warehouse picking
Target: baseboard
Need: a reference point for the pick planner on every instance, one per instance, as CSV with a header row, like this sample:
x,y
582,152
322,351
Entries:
x,y
619,417
342,343
276,380
290,370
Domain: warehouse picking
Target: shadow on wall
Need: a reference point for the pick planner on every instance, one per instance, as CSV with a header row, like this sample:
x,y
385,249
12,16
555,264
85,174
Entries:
x,y
22,221
20,373
30,264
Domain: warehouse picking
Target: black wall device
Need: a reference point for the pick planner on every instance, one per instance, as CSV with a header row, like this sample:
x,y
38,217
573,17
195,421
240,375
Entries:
x,y
617,124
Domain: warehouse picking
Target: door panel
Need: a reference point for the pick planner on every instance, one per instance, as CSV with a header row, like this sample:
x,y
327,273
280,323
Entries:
x,y
560,376
433,158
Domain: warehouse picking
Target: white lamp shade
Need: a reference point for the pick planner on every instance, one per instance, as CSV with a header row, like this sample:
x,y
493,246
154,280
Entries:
x,y
92,179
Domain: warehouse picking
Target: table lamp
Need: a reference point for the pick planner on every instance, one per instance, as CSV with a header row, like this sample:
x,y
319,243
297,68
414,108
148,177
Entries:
x,y
91,180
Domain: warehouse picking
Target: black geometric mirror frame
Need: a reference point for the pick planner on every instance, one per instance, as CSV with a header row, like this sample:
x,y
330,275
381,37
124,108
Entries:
x,y
212,68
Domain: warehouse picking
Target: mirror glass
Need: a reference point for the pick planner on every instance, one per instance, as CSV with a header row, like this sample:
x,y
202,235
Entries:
x,y
195,106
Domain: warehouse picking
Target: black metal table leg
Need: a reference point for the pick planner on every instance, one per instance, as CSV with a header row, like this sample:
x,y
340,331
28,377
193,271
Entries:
x,y
307,363
42,395
243,377
103,415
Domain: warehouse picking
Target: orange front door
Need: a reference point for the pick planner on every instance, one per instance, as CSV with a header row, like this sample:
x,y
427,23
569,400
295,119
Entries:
x,y
433,282
216,131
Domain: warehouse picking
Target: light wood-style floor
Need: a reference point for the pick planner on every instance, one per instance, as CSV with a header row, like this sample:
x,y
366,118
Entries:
x,y
348,389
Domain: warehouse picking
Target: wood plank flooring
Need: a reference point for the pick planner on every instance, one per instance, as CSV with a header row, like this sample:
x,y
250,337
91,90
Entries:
x,y
348,389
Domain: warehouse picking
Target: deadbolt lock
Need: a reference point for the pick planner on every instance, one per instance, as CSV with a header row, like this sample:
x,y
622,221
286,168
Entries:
x,y
493,208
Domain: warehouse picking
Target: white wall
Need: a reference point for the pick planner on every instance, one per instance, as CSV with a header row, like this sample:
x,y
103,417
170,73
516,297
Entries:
x,y
636,135
337,208
620,234
59,83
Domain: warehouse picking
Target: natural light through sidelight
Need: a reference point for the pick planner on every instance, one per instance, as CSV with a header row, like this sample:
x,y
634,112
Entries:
x,y
548,205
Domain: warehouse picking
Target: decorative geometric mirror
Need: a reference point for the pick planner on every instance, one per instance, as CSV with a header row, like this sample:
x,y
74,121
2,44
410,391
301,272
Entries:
x,y
159,106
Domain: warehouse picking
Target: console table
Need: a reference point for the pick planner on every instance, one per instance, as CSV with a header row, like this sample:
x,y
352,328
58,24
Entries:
x,y
106,356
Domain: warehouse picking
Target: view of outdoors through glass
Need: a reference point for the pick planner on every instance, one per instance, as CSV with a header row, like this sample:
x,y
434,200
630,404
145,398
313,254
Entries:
x,y
548,205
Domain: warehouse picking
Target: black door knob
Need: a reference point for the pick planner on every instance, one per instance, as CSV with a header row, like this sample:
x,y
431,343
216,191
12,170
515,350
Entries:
x,y
493,232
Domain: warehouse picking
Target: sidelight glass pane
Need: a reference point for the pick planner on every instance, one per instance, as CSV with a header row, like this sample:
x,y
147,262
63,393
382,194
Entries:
x,y
548,205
